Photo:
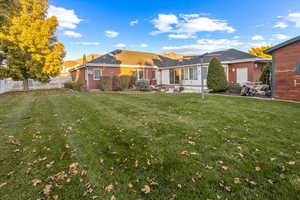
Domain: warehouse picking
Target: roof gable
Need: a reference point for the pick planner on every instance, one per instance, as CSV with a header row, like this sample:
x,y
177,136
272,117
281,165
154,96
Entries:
x,y
283,44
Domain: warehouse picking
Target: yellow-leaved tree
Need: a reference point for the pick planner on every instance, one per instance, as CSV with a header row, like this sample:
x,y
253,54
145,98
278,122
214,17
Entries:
x,y
260,51
29,44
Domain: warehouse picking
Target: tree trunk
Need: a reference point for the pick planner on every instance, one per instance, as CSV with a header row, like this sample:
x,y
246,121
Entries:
x,y
26,84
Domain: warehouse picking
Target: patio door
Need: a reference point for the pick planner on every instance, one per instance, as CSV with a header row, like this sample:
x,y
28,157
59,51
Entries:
x,y
242,75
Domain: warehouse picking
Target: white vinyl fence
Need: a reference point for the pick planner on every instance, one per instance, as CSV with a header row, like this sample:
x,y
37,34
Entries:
x,y
7,85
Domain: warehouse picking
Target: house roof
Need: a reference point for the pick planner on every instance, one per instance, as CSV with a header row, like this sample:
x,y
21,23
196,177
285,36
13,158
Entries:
x,y
283,44
124,57
224,56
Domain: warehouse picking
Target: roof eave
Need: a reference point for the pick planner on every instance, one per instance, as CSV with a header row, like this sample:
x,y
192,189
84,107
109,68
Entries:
x,y
283,44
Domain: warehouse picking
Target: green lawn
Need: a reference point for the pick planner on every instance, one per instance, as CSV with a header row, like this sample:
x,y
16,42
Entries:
x,y
57,145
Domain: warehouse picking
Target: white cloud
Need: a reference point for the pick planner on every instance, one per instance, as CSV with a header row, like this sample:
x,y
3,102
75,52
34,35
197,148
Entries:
x,y
257,37
111,34
280,25
188,24
120,45
66,18
87,43
294,17
236,37
164,23
181,36
72,34
280,36
205,45
143,45
134,22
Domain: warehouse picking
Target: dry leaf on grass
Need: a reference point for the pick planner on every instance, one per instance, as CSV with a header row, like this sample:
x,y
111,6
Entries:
x,y
113,198
237,181
146,189
55,197
130,185
292,163
109,188
47,189
2,185
225,168
257,169
35,182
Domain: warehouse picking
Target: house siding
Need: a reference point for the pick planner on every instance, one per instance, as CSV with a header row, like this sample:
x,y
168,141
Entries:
x,y
254,71
79,75
287,82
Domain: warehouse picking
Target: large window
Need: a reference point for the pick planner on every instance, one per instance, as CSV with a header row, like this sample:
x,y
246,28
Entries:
x,y
189,73
153,74
97,74
298,68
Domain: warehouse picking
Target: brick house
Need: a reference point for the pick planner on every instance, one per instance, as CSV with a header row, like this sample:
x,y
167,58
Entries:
x,y
120,62
286,69
186,72
240,67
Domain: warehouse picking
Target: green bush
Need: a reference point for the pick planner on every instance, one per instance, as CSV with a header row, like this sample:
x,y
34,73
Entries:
x,y
265,77
116,83
142,85
216,77
72,85
125,82
106,83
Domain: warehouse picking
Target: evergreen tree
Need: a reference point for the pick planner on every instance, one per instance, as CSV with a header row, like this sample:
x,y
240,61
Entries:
x,y
29,44
216,77
265,77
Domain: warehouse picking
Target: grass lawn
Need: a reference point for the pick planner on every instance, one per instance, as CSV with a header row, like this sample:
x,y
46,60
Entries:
x,y
57,145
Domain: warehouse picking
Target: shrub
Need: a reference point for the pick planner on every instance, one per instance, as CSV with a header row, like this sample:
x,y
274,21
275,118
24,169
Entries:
x,y
216,77
125,82
142,85
265,77
116,83
235,88
72,85
106,83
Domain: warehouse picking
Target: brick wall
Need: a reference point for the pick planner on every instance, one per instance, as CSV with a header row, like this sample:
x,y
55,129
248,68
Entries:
x,y
287,83
254,71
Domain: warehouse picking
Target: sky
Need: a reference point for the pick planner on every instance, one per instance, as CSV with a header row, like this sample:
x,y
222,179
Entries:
x,y
182,26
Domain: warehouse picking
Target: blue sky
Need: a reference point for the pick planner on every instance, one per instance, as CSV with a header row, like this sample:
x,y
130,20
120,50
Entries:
x,y
183,26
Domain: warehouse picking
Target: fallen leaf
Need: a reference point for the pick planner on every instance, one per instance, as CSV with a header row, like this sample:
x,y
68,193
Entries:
x,y
113,198
47,189
146,189
184,153
237,181
35,182
10,173
270,181
179,186
109,188
130,185
225,168
272,159
257,169
2,185
292,163
228,188
55,197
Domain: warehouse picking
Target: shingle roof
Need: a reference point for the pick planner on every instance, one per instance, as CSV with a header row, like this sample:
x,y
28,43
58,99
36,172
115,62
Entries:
x,y
134,58
225,55
283,44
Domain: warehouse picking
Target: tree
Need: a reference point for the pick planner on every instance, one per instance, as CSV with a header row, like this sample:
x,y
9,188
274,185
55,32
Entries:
x,y
260,52
29,44
84,59
7,9
265,77
216,77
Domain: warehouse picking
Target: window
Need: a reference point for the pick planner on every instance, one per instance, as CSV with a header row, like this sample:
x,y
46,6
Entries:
x,y
140,74
204,72
153,74
193,73
97,74
298,68
186,73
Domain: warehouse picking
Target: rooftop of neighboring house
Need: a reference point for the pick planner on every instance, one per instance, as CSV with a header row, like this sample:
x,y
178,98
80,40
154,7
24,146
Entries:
x,y
283,44
125,57
73,63
228,55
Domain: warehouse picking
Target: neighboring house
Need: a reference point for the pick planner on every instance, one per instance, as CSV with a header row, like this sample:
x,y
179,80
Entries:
x,y
240,67
286,70
120,62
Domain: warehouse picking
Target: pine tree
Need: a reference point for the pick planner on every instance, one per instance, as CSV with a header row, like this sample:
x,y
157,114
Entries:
x,y
216,77
29,44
